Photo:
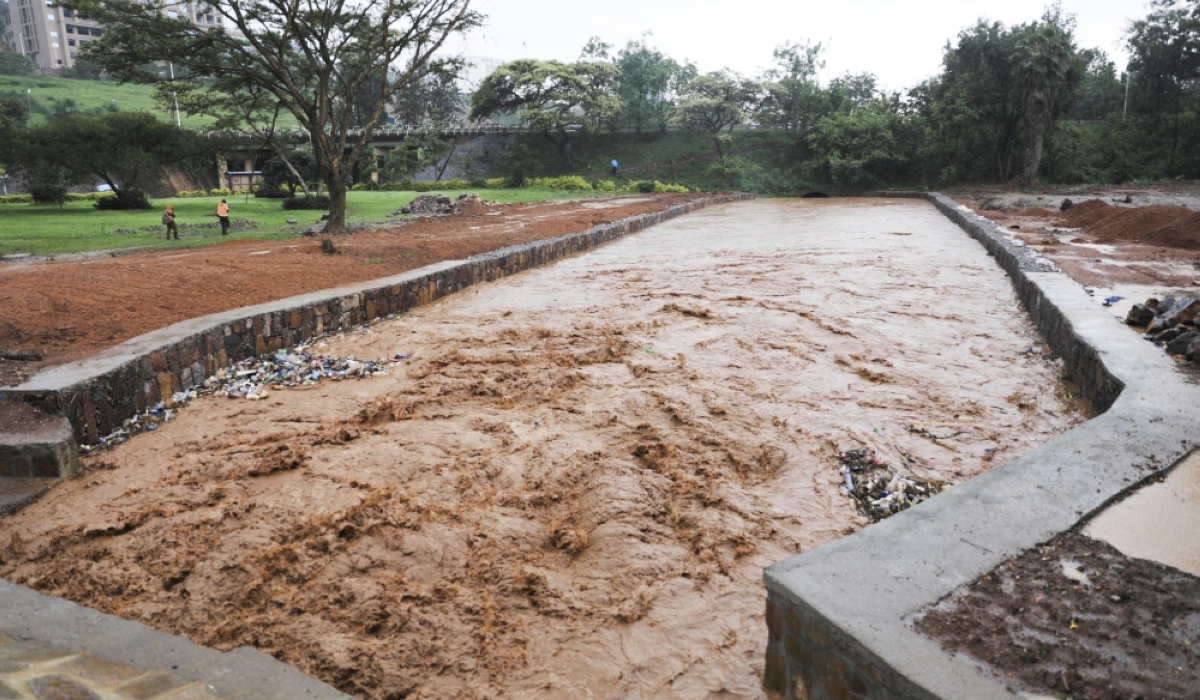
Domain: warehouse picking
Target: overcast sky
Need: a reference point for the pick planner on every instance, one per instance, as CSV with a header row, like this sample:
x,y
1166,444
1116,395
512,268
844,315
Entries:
x,y
899,41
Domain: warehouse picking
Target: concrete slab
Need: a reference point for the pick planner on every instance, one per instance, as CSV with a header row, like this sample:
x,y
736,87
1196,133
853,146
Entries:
x,y
1159,522
39,630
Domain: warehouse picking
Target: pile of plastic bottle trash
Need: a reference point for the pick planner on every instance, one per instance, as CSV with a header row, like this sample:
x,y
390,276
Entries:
x,y
252,379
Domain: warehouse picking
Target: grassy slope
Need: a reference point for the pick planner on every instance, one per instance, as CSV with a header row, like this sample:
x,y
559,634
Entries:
x,y
78,227
673,156
88,94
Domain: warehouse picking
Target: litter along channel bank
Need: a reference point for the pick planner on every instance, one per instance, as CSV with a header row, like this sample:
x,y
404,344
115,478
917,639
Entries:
x,y
574,483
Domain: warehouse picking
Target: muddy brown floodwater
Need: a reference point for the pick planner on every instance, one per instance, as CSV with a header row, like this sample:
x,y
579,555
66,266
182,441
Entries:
x,y
573,486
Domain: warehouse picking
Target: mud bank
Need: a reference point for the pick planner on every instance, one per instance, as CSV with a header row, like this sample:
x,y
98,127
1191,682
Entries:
x,y
573,485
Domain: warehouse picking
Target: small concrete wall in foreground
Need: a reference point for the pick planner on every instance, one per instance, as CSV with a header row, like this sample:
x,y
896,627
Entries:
x,y
839,616
98,394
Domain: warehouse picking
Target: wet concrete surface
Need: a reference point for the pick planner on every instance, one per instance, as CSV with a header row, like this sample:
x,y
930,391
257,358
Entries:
x,y
574,484
1159,522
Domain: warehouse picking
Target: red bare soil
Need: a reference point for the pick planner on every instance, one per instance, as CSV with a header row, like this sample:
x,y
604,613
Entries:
x,y
1135,224
1182,233
1156,225
72,309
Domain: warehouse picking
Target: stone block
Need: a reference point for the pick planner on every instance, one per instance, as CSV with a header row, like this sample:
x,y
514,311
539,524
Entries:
x,y
799,651
60,688
799,687
44,462
158,361
818,635
774,620
775,673
843,682
101,672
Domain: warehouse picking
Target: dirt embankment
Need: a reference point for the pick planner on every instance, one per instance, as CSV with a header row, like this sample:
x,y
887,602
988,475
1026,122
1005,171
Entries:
x,y
572,487
1158,225
74,308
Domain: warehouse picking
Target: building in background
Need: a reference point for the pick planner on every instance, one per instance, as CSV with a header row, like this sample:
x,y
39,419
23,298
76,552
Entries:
x,y
477,69
51,36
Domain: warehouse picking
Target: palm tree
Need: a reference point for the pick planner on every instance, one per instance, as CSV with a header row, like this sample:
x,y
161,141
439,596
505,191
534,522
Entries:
x,y
1046,72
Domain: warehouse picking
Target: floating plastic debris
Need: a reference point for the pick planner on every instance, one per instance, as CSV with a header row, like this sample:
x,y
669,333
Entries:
x,y
880,491
250,379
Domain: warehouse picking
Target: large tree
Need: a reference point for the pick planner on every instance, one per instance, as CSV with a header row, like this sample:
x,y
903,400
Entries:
x,y
718,102
1049,69
648,83
128,151
553,98
312,56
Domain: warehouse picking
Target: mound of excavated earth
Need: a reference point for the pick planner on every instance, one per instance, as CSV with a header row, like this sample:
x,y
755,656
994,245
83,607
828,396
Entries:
x,y
572,486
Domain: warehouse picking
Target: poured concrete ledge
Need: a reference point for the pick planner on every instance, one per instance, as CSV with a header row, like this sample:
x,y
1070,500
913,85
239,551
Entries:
x,y
838,614
38,621
98,394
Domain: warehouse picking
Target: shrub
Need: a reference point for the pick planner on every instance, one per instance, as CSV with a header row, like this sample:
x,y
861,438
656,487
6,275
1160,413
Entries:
x,y
191,194
220,192
311,202
566,182
405,185
643,186
606,186
496,183
17,199
125,201
479,183
365,186
86,196
270,193
662,187
48,193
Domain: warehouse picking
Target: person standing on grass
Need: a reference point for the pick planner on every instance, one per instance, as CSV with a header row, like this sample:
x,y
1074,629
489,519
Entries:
x,y
223,217
616,167
169,220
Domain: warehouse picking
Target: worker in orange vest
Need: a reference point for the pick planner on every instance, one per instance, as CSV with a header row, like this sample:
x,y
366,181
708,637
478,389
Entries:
x,y
223,216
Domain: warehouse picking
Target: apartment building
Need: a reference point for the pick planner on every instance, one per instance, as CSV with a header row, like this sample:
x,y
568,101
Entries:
x,y
52,36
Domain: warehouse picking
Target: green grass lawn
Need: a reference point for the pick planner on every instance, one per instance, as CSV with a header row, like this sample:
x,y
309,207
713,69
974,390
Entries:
x,y
88,94
78,227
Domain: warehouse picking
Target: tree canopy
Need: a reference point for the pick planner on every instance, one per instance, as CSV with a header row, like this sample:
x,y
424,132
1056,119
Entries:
x,y
553,98
126,150
311,58
716,103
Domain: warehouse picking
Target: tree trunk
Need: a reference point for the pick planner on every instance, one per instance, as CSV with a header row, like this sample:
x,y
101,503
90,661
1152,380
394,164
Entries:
x,y
445,164
1035,139
292,169
337,206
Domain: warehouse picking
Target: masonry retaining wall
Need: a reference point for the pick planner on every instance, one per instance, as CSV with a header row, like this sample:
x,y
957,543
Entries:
x,y
98,404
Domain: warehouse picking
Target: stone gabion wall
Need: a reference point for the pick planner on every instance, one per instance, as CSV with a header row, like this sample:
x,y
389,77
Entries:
x,y
101,404
810,659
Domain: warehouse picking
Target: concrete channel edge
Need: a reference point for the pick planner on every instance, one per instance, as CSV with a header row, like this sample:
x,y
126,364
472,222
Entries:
x,y
839,617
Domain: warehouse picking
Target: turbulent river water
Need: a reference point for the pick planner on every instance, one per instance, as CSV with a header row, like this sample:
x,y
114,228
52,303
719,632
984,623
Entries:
x,y
573,485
